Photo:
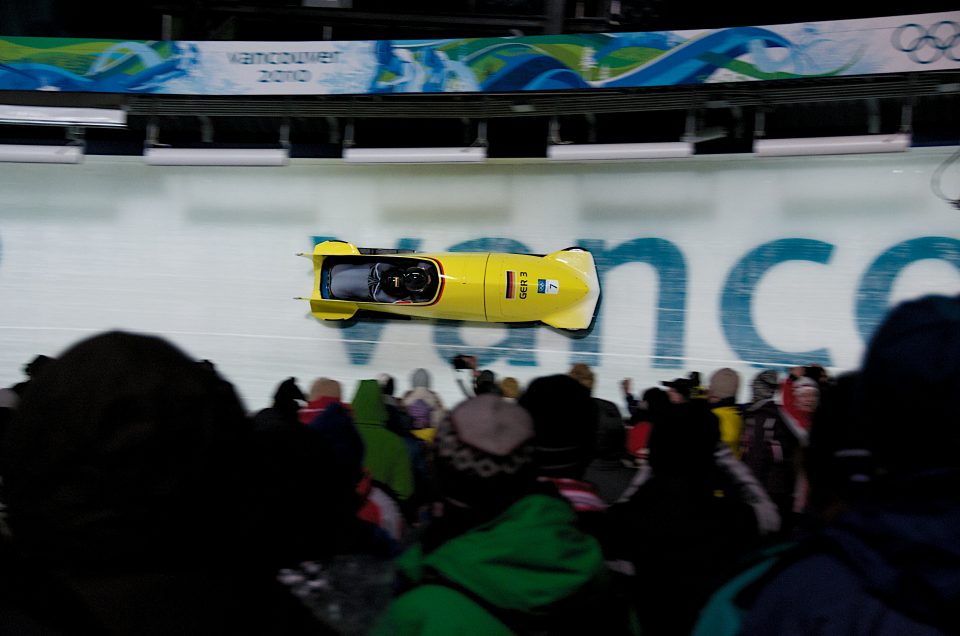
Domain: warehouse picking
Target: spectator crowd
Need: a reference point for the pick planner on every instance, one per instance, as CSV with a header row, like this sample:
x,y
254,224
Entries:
x,y
139,497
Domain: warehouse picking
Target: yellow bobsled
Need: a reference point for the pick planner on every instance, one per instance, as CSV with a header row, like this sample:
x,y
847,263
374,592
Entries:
x,y
560,289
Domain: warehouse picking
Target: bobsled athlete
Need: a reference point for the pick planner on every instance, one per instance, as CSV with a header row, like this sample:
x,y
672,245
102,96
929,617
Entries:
x,y
382,282
389,284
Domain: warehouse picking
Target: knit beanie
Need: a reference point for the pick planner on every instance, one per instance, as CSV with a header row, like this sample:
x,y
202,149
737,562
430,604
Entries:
x,y
325,387
764,385
724,384
484,453
910,386
582,374
565,420
420,377
510,388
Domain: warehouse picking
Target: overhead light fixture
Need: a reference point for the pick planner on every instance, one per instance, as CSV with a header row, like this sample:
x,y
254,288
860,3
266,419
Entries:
x,y
467,154
22,153
849,145
559,150
694,130
522,106
61,116
705,134
474,153
155,154
216,156
600,152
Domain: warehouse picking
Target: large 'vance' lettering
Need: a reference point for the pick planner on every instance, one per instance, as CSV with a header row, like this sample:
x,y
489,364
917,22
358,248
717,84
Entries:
x,y
736,305
518,346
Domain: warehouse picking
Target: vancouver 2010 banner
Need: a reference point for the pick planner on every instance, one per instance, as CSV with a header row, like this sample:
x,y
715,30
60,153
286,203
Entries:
x,y
899,44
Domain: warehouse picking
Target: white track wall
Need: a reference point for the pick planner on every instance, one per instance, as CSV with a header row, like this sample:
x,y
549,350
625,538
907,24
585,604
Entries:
x,y
705,263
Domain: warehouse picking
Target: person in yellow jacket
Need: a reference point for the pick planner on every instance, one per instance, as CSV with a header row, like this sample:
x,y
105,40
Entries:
x,y
722,396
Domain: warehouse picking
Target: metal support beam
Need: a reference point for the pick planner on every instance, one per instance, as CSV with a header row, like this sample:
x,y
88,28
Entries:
x,y
554,22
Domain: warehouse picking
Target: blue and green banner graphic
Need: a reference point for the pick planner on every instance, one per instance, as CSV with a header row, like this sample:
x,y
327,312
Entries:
x,y
925,42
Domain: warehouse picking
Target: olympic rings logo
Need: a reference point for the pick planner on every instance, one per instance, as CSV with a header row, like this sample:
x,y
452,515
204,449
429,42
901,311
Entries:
x,y
927,45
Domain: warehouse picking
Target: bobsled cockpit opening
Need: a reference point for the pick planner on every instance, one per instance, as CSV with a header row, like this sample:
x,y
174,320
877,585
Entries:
x,y
379,280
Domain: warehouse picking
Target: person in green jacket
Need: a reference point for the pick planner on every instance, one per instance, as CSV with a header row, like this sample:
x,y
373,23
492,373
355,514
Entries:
x,y
386,456
505,557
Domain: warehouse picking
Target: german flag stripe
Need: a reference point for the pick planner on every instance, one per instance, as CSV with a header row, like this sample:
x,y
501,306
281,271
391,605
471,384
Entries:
x,y
511,283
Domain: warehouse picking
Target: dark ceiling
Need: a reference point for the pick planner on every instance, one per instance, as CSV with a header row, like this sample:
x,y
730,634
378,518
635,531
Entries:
x,y
516,125
411,19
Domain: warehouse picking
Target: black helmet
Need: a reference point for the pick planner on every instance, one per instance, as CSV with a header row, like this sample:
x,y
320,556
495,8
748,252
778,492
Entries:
x,y
415,279
392,281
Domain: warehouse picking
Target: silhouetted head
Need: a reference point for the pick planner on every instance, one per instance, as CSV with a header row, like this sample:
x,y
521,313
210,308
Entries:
x,y
565,418
387,384
484,454
486,382
583,374
764,385
724,384
125,447
910,386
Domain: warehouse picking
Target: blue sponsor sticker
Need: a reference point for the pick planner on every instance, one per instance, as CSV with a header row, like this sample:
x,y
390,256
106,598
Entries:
x,y
548,286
